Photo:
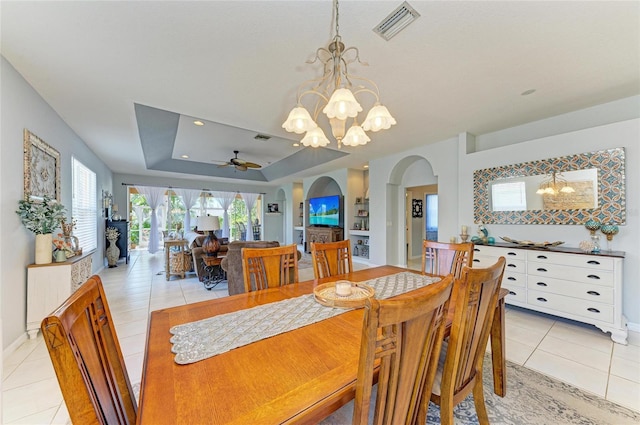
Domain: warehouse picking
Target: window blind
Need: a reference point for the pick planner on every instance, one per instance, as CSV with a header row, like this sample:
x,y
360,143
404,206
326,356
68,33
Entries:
x,y
84,205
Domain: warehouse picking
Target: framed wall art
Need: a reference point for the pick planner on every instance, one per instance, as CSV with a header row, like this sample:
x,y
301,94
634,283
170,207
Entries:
x,y
272,208
416,209
41,169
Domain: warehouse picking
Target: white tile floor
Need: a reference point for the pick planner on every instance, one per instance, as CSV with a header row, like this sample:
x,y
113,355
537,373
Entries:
x,y
578,354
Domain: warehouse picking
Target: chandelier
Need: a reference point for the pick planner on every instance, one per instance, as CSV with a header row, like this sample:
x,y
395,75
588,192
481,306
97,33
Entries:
x,y
335,95
553,185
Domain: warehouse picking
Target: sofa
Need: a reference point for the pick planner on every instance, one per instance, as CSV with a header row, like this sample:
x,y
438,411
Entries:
x,y
232,262
195,241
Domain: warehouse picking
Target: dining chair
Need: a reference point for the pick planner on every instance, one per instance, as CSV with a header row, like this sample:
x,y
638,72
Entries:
x,y
331,258
473,301
269,267
441,258
403,336
86,356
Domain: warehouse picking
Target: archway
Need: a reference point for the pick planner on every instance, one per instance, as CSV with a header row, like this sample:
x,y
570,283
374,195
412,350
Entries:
x,y
411,171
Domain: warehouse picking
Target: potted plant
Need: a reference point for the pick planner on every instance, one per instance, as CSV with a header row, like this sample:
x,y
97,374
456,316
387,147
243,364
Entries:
x,y
42,218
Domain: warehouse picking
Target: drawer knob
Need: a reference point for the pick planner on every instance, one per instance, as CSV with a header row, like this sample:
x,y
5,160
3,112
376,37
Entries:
x,y
541,284
593,293
511,278
540,269
511,253
542,257
476,261
544,300
511,265
512,293
593,310
597,263
593,276
476,249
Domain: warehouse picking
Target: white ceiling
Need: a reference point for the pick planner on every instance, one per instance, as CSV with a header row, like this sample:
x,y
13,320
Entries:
x,y
462,66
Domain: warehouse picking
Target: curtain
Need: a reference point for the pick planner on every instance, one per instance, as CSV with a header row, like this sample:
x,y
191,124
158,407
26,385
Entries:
x,y
250,201
225,199
154,197
189,197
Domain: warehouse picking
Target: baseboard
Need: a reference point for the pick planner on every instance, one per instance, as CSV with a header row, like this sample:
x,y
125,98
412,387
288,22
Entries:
x,y
635,327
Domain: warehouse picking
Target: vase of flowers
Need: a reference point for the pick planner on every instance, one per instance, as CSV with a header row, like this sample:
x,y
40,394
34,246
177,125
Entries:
x,y
113,252
42,218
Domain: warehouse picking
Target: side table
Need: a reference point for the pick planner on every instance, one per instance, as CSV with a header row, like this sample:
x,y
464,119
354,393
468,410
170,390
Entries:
x,y
180,244
213,271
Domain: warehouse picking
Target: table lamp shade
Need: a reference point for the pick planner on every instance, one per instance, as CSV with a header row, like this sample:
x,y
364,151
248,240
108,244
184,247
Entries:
x,y
209,222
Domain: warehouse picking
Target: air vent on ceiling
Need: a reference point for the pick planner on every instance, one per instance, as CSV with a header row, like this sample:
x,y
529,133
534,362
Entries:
x,y
396,21
262,137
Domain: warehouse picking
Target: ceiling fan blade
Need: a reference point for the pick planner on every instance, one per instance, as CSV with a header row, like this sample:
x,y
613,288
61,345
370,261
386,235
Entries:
x,y
252,165
241,168
226,164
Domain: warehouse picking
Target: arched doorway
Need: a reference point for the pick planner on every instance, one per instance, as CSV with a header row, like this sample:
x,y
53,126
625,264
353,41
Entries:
x,y
407,181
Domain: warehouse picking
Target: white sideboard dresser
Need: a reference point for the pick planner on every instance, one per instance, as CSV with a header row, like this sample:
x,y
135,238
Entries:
x,y
564,282
49,285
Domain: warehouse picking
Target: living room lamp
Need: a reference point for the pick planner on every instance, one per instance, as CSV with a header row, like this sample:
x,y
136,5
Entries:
x,y
210,223
336,92
553,185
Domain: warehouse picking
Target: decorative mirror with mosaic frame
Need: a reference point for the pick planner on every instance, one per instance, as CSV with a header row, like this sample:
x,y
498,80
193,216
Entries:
x,y
584,186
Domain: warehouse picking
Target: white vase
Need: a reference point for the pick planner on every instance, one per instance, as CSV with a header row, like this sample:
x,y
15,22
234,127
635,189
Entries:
x,y
113,253
44,251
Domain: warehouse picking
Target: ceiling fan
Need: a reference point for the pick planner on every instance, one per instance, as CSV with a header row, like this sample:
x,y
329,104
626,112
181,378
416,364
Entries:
x,y
240,164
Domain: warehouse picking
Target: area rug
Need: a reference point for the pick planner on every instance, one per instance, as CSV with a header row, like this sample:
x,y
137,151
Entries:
x,y
532,399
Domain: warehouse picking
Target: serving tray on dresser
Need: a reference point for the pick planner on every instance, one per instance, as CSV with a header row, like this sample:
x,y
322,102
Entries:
x,y
565,282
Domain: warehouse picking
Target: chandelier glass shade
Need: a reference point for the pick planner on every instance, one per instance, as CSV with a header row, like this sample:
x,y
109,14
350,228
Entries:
x,y
336,96
553,185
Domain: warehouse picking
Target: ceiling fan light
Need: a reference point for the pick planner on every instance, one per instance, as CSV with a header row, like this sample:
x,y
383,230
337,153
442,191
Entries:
x,y
355,136
299,121
315,138
567,189
342,105
378,119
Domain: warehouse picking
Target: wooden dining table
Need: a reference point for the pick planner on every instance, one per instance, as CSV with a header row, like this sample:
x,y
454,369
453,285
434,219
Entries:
x,y
299,376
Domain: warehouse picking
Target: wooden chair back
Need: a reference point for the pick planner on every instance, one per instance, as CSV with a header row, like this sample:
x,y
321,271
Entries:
x,y
443,258
405,334
269,267
474,301
86,356
331,258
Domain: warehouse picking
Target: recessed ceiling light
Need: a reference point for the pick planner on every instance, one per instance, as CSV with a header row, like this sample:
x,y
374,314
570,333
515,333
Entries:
x,y
528,92
199,123
184,156
296,144
366,166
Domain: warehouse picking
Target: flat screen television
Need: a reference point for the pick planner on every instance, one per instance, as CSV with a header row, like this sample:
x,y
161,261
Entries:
x,y
325,211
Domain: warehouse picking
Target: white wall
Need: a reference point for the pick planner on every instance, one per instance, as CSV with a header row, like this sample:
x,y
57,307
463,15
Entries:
x,y
624,134
22,107
453,169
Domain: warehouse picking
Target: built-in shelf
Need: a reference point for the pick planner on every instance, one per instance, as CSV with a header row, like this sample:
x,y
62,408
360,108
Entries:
x,y
298,227
358,232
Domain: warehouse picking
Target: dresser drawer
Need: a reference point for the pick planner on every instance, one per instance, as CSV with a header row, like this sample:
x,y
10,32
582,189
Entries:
x,y
579,307
575,274
586,261
516,293
514,279
512,265
494,251
597,293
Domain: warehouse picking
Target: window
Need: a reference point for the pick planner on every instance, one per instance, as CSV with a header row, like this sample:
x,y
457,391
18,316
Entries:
x,y
84,205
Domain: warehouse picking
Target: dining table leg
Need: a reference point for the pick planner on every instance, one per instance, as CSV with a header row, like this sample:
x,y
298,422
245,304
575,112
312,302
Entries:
x,y
498,358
